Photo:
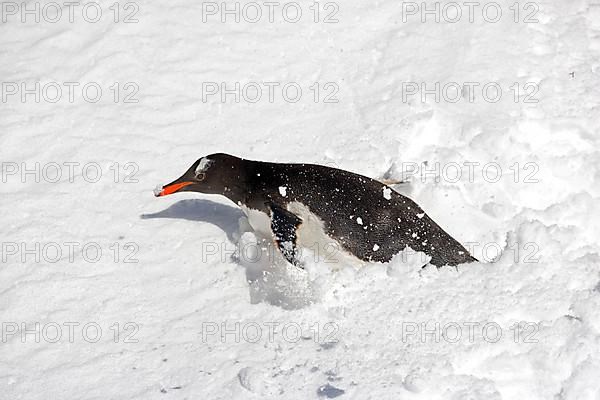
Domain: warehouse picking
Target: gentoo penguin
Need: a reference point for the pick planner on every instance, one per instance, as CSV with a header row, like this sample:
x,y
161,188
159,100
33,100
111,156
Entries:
x,y
365,217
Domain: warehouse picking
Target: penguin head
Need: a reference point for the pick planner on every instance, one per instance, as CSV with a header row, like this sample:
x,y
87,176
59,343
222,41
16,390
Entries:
x,y
214,174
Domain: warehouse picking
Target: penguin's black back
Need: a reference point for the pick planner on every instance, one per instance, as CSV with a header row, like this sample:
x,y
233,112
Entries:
x,y
389,221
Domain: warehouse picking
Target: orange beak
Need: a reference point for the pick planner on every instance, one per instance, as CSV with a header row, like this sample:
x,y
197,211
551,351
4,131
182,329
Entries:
x,y
172,188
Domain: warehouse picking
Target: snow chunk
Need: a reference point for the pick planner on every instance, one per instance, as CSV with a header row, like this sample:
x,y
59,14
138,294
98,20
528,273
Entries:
x,y
283,191
249,378
387,193
359,220
420,215
256,381
407,262
329,391
375,247
203,165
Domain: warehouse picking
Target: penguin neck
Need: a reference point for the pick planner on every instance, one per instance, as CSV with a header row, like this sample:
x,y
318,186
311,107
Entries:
x,y
235,188
235,193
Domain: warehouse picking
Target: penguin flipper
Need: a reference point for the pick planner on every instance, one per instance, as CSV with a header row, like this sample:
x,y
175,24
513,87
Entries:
x,y
284,225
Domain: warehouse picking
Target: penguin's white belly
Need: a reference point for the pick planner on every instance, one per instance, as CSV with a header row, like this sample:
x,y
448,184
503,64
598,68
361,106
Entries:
x,y
309,235
259,221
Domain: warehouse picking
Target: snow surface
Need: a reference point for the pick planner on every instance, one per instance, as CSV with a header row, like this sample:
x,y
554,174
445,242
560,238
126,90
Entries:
x,y
195,321
387,193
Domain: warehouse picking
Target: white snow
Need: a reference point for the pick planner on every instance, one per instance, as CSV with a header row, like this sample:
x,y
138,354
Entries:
x,y
283,191
359,220
108,292
387,193
203,165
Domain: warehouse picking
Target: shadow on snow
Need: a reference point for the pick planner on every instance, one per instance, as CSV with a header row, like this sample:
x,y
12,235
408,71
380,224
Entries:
x,y
271,279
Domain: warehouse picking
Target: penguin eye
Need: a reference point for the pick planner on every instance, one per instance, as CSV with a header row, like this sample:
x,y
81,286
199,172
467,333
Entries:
x,y
200,176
